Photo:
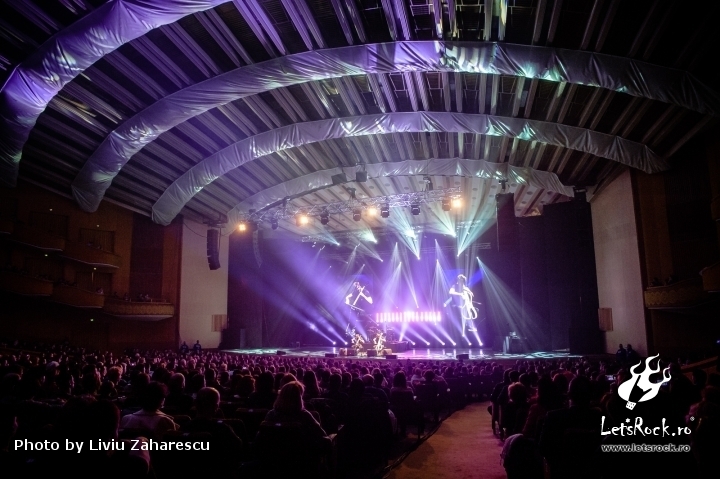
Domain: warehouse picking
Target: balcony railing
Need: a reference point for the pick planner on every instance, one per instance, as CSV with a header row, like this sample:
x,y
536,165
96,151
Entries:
x,y
38,239
25,284
92,256
680,295
74,296
141,311
711,278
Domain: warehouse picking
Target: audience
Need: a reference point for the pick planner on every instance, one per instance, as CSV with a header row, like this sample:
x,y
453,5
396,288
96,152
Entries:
x,y
150,419
551,409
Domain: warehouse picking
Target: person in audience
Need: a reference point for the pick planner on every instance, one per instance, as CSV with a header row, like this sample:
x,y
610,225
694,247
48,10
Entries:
x,y
289,408
515,412
371,390
150,418
548,399
621,355
312,389
177,400
570,435
631,355
264,395
207,407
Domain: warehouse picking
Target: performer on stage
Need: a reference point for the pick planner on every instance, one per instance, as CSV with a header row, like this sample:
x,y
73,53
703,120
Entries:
x,y
360,302
359,297
462,299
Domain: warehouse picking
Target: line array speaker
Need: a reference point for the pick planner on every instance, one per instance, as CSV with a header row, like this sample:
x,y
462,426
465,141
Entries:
x,y
213,248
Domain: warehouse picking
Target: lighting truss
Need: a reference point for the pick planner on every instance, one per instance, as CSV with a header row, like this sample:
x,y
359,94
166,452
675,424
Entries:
x,y
401,200
355,234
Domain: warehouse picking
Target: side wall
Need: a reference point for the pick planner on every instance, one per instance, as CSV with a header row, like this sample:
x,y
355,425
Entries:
x,y
617,260
39,319
203,292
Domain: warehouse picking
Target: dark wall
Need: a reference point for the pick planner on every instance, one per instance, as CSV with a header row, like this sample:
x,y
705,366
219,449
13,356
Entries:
x,y
146,258
548,281
533,274
245,301
571,277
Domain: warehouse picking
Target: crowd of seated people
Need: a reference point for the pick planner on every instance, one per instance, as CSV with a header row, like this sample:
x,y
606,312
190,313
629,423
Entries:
x,y
557,418
344,412
352,405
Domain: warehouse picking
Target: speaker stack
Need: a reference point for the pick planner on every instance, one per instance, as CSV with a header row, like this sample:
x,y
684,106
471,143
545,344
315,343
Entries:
x,y
213,248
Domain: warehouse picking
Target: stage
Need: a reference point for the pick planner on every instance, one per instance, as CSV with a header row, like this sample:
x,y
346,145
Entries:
x,y
416,354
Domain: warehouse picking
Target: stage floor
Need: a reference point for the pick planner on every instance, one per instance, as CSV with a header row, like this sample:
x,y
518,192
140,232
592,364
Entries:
x,y
418,354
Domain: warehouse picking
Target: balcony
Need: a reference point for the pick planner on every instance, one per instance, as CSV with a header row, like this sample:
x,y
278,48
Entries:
x,y
24,284
711,278
681,295
37,239
74,296
92,256
139,311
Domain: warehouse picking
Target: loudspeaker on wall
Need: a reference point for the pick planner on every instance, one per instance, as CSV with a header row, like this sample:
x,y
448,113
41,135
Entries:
x,y
213,248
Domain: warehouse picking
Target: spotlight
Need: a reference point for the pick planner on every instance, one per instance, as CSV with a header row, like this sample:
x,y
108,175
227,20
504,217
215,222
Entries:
x,y
415,209
456,202
324,217
242,227
274,223
356,214
372,211
385,210
301,220
446,204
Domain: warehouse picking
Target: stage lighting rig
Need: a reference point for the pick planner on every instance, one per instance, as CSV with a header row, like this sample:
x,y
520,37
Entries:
x,y
324,217
242,227
415,209
446,204
385,210
274,223
357,214
302,220
428,183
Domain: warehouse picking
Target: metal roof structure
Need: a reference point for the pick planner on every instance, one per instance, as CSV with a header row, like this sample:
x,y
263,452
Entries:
x,y
209,107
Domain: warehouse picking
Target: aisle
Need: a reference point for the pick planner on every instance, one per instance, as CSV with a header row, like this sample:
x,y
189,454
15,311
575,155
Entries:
x,y
463,447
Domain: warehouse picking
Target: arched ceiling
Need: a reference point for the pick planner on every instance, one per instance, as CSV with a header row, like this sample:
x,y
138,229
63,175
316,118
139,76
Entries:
x,y
135,101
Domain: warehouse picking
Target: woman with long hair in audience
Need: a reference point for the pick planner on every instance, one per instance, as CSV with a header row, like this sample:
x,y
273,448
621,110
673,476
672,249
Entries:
x,y
289,408
312,389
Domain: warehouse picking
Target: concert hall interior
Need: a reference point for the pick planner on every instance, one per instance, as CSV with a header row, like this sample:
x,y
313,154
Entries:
x,y
303,147
424,179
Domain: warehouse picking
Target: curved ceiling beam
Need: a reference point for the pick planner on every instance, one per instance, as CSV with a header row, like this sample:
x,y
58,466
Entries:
x,y
434,167
615,73
35,81
206,171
